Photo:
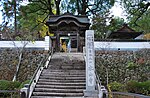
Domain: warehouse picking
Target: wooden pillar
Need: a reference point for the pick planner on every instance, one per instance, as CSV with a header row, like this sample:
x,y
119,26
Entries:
x,y
57,42
78,42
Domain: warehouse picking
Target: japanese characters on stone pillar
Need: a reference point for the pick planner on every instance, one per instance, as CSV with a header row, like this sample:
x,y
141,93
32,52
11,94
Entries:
x,y
90,61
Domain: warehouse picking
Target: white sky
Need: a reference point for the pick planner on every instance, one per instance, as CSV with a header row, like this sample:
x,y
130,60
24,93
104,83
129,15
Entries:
x,y
1,19
116,11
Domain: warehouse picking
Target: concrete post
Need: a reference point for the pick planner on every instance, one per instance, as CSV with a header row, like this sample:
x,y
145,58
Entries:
x,y
90,66
47,43
25,91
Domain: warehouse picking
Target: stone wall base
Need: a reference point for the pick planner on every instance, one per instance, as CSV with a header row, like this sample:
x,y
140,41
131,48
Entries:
x,y
90,94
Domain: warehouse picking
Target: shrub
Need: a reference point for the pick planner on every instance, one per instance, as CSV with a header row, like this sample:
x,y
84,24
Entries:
x,y
138,87
145,87
15,85
23,83
115,86
4,85
9,85
132,86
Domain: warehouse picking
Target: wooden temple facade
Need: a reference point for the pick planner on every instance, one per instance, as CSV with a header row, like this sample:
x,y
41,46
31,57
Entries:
x,y
68,30
125,32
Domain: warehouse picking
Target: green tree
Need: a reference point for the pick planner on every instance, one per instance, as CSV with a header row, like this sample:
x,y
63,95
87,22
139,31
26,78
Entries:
x,y
143,23
10,11
38,9
87,7
135,8
116,23
100,25
103,27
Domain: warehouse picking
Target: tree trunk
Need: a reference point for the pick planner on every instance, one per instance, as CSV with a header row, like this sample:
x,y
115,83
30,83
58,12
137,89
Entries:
x,y
57,3
15,21
18,67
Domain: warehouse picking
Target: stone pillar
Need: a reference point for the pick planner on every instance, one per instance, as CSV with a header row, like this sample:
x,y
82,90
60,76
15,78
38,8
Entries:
x,y
90,66
24,91
47,42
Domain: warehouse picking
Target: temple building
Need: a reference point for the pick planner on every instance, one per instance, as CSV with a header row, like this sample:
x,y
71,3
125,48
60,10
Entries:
x,y
124,32
68,32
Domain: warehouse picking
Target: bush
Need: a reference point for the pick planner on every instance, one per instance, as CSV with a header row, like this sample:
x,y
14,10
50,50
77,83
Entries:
x,y
9,85
4,85
23,83
115,86
145,88
132,86
15,85
138,87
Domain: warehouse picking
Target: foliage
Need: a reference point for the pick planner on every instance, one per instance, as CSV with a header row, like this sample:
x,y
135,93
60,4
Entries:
x,y
132,86
123,66
147,36
136,8
23,83
116,23
142,24
138,87
9,61
8,9
87,7
9,85
101,26
32,22
115,86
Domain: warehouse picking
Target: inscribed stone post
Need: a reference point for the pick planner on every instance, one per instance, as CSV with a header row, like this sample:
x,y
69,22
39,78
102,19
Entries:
x,y
90,64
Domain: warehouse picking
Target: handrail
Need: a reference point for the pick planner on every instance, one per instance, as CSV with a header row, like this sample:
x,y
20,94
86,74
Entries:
x,y
43,64
98,81
10,94
9,91
98,85
39,65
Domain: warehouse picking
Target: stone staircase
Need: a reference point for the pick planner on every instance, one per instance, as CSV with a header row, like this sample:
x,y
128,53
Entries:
x,y
65,77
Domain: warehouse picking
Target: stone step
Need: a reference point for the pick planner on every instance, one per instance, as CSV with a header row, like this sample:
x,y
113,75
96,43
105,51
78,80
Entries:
x,y
61,75
62,78
55,68
54,90
67,67
53,97
62,81
57,94
60,70
60,86
64,73
59,83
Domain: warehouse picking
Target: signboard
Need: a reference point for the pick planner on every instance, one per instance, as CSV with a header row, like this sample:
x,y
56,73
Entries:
x,y
90,61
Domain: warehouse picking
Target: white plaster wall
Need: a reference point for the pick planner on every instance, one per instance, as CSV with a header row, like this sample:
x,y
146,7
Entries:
x,y
121,45
29,44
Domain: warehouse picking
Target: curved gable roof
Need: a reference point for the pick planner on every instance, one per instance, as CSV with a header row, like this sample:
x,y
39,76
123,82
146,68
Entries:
x,y
68,18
